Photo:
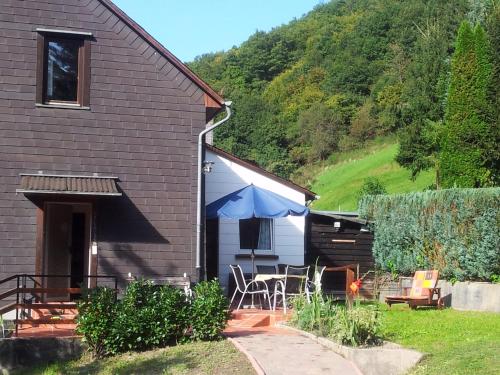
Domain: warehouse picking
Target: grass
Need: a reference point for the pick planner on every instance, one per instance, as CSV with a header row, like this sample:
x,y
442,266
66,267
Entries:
x,y
216,357
339,182
457,342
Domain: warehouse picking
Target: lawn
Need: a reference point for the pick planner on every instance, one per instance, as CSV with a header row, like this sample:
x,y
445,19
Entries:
x,y
338,183
219,357
457,342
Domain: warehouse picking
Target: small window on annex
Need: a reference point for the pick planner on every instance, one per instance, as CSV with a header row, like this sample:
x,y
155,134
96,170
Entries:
x,y
63,69
256,234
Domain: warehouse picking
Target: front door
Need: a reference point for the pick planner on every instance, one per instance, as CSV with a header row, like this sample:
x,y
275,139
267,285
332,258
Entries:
x,y
67,241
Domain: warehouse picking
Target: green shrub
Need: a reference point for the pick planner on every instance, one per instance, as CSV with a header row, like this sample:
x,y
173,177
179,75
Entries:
x,y
149,316
454,231
355,326
96,314
209,311
371,186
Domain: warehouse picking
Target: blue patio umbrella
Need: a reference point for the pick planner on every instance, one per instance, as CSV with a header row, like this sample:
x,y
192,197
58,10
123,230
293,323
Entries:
x,y
252,201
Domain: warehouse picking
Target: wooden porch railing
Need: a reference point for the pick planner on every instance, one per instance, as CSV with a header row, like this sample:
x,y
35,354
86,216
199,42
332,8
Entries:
x,y
30,292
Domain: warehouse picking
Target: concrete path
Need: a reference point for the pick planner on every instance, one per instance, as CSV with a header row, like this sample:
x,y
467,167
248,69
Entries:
x,y
281,353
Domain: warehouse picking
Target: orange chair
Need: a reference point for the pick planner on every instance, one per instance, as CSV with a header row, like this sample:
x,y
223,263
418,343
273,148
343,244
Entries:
x,y
422,291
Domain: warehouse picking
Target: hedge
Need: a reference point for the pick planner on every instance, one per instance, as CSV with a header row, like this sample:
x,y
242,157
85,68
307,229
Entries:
x,y
455,231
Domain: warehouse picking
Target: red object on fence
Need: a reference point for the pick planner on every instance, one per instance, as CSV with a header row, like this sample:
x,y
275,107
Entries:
x,y
355,286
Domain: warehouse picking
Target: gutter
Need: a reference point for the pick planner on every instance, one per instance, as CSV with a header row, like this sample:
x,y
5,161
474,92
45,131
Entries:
x,y
199,207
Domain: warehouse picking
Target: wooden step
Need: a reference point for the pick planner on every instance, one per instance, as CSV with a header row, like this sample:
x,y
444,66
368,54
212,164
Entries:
x,y
33,321
49,305
50,290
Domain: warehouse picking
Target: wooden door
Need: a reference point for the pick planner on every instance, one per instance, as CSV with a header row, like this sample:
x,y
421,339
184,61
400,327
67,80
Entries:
x,y
59,227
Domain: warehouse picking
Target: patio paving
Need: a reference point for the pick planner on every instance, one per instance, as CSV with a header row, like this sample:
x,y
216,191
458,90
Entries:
x,y
281,351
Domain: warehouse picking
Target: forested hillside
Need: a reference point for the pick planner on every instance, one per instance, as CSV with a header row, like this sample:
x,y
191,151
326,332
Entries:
x,y
345,73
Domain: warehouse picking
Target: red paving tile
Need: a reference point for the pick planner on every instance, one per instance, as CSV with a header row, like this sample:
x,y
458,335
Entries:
x,y
47,330
252,321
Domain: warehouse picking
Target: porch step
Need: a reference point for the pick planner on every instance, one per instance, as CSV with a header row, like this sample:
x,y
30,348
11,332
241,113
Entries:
x,y
50,305
251,321
34,321
256,318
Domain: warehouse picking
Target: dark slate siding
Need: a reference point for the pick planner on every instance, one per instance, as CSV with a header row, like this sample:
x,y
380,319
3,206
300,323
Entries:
x,y
142,127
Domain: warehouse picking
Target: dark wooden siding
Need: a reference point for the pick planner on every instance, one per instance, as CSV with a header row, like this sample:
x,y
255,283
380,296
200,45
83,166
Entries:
x,y
322,248
142,126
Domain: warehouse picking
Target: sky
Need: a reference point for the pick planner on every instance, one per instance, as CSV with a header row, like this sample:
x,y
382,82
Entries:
x,y
189,28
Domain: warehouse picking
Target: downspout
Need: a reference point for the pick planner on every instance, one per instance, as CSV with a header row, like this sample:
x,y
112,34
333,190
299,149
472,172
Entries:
x,y
199,209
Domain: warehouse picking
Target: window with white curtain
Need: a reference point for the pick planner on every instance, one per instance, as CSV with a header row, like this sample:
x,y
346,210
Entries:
x,y
256,234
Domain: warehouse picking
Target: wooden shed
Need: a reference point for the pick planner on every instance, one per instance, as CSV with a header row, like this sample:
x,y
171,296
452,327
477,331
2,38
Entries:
x,y
336,239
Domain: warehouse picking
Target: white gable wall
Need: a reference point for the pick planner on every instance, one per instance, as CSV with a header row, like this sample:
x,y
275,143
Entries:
x,y
227,177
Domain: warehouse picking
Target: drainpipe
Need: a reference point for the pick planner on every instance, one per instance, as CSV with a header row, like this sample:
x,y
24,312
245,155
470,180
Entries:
x,y
199,209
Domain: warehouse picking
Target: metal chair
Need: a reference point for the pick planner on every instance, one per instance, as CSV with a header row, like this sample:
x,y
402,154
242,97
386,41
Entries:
x,y
251,288
282,268
266,270
295,283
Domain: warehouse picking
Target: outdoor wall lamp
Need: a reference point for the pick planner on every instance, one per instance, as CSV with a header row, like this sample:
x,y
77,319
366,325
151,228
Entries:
x,y
207,166
336,226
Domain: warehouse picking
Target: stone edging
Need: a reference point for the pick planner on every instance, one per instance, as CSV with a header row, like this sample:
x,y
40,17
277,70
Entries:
x,y
255,364
387,359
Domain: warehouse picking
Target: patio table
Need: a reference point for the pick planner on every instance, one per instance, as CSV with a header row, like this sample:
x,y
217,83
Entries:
x,y
268,276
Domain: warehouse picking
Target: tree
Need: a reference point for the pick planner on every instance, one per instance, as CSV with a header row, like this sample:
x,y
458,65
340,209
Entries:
x,y
467,142
493,30
371,186
321,128
423,95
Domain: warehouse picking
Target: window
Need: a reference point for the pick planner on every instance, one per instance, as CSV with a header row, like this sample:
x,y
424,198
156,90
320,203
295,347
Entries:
x,y
256,234
63,70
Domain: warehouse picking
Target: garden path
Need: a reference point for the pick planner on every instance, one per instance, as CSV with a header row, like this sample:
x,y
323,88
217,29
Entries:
x,y
281,351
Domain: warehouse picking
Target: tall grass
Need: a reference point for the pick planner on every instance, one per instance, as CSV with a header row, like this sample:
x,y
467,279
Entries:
x,y
358,325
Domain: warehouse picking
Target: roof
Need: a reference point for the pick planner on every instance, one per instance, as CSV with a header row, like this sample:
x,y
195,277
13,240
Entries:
x,y
341,215
67,184
308,193
163,51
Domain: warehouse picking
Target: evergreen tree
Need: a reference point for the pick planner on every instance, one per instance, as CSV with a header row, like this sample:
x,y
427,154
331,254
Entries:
x,y
466,143
423,96
493,31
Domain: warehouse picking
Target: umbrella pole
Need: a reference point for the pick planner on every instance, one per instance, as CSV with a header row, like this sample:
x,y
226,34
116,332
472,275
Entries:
x,y
252,256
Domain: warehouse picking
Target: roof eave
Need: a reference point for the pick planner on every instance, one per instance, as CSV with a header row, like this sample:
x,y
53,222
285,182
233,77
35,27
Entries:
x,y
309,195
164,51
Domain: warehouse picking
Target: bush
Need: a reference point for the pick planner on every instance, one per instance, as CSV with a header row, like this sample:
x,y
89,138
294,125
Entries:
x,y
96,313
209,311
150,316
355,326
454,231
371,186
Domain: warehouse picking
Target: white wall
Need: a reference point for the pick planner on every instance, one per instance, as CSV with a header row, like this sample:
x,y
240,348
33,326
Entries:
x,y
227,177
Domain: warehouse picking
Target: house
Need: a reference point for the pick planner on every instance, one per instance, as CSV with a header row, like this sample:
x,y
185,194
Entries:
x,y
98,146
229,241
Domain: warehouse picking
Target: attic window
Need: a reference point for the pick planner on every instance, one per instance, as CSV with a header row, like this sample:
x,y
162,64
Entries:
x,y
63,69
